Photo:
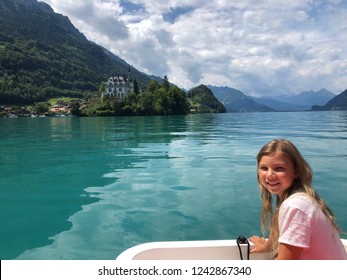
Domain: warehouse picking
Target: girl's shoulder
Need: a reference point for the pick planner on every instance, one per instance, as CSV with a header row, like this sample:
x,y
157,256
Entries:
x,y
299,200
299,195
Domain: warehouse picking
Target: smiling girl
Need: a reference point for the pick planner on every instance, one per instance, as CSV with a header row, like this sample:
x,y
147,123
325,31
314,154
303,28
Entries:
x,y
302,226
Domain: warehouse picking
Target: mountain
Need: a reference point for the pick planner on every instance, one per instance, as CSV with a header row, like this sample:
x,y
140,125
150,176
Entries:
x,y
43,55
279,105
313,98
303,101
204,101
235,101
339,102
142,78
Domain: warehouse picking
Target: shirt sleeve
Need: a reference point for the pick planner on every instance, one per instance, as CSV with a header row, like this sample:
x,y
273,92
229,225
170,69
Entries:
x,y
294,226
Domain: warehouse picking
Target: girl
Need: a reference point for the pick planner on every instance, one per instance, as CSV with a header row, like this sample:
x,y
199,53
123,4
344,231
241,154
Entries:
x,y
302,226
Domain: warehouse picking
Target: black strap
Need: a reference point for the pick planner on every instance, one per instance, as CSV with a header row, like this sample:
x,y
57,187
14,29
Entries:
x,y
243,240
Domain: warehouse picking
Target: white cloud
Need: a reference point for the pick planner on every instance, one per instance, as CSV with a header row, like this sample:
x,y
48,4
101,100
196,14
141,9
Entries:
x,y
259,47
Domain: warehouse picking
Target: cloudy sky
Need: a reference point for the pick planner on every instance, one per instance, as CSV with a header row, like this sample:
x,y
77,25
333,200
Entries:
x,y
261,47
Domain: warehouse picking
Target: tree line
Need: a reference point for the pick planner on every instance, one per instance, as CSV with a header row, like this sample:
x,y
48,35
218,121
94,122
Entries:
x,y
157,99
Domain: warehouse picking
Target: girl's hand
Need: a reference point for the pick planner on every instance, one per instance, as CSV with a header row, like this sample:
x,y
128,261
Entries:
x,y
260,244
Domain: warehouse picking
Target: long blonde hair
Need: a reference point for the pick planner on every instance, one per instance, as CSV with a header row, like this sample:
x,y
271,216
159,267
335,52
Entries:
x,y
303,183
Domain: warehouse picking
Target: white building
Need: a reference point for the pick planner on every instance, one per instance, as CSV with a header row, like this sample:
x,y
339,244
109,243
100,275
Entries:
x,y
119,86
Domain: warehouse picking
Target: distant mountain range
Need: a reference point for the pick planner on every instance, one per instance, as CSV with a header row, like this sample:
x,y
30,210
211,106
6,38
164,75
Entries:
x,y
302,101
236,101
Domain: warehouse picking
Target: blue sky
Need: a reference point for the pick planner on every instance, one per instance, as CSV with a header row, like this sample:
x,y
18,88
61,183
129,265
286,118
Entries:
x,y
266,48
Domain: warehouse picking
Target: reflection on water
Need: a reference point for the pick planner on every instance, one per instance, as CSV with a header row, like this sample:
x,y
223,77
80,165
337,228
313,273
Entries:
x,y
88,188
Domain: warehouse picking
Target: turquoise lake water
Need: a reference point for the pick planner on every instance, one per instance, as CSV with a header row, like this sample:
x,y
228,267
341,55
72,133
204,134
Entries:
x,y
88,188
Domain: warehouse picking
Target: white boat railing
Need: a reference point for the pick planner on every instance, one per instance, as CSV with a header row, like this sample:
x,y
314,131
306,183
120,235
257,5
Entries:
x,y
193,250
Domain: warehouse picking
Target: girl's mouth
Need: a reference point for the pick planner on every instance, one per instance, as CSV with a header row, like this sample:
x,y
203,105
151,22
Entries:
x,y
272,184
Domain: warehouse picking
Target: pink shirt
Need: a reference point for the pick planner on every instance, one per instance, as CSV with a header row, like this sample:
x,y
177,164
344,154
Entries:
x,y
303,224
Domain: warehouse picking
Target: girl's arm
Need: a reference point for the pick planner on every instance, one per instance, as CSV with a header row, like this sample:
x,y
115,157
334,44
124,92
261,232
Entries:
x,y
288,252
285,251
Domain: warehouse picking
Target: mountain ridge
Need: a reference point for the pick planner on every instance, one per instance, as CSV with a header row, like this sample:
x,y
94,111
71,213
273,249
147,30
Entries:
x,y
42,55
236,101
338,103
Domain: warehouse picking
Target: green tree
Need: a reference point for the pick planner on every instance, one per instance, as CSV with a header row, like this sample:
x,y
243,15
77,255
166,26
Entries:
x,y
162,102
136,87
41,108
75,108
146,103
166,84
179,102
102,87
153,86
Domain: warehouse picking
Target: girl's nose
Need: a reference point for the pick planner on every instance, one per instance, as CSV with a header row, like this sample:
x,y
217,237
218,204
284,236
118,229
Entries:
x,y
270,173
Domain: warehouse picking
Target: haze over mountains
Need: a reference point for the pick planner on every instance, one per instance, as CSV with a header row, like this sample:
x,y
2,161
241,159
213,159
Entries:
x,y
43,55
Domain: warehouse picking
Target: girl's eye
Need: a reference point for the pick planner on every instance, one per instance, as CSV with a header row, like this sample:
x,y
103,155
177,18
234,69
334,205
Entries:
x,y
279,169
263,168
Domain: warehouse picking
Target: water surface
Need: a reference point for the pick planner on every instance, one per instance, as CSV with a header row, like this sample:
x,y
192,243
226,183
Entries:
x,y
88,188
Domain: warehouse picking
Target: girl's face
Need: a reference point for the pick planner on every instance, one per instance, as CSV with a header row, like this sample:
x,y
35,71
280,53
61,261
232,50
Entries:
x,y
276,173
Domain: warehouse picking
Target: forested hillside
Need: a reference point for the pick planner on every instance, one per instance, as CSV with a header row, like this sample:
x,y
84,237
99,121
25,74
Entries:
x,y
204,101
43,55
